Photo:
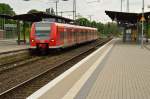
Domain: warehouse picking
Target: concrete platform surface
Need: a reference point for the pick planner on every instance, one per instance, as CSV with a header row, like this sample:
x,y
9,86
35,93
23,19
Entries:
x,y
11,45
125,74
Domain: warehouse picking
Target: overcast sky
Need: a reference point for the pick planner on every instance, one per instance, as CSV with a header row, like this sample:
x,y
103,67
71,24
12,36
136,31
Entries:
x,y
97,9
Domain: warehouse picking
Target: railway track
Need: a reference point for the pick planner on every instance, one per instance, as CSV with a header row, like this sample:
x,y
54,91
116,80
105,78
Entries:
x,y
13,52
5,67
15,59
36,81
14,56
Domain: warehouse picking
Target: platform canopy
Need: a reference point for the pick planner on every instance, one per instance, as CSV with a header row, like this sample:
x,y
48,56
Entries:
x,y
5,16
35,17
125,17
39,16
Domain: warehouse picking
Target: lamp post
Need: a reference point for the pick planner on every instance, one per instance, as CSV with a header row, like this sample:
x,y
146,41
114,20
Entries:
x,y
57,6
90,17
56,2
121,5
142,24
74,9
128,6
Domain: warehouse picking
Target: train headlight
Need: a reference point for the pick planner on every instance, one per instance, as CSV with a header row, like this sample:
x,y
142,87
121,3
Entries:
x,y
52,40
32,40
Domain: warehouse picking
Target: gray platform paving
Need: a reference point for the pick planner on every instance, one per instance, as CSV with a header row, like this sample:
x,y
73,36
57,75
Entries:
x,y
11,45
125,75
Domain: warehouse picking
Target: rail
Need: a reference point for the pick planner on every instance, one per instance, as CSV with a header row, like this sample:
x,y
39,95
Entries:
x,y
70,82
42,73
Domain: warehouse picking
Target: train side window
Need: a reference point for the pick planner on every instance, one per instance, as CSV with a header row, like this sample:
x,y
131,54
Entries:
x,y
61,36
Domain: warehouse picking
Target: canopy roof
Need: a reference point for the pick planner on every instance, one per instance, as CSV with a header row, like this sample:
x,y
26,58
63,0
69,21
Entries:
x,y
34,17
127,17
5,16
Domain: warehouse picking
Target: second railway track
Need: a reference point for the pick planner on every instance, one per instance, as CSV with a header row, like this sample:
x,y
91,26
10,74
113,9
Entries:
x,y
33,77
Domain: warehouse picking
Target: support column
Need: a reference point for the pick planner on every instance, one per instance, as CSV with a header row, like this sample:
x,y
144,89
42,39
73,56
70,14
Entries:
x,y
124,34
24,35
137,36
18,31
147,31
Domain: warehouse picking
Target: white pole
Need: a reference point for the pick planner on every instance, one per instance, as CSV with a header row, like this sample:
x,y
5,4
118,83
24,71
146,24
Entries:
x,y
128,6
142,25
74,9
121,5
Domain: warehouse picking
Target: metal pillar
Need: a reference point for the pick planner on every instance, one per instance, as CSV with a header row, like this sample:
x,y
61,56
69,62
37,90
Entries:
x,y
142,24
74,9
147,31
4,23
137,31
121,5
56,7
127,5
24,35
124,34
18,32
61,13
90,16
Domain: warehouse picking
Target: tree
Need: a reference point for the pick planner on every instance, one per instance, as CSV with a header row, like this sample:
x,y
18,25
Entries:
x,y
83,22
111,29
6,9
33,11
100,27
93,24
108,29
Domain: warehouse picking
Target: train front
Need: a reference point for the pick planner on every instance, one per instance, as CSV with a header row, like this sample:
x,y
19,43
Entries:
x,y
40,36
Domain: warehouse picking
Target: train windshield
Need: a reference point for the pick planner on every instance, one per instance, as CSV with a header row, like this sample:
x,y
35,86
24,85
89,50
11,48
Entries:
x,y
42,30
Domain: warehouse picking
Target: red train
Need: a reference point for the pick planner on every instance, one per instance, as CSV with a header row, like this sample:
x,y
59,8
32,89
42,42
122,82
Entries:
x,y
59,35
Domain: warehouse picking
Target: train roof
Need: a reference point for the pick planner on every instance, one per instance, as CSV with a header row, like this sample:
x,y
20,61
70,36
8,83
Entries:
x,y
76,26
68,25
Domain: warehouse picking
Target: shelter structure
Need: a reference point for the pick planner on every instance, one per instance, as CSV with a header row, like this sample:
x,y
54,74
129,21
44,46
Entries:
x,y
131,24
33,17
3,17
4,28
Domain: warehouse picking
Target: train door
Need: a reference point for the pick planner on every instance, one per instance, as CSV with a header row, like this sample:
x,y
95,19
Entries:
x,y
75,35
65,36
61,32
70,36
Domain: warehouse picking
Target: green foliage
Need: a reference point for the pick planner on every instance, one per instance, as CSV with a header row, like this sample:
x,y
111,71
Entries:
x,y
93,24
100,27
108,29
83,22
6,9
111,29
32,11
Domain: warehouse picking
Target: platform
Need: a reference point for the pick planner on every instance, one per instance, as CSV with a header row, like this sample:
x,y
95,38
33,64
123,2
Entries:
x,y
11,45
126,74
123,73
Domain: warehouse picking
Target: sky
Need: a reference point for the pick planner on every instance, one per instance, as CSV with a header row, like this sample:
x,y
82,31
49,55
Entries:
x,y
84,8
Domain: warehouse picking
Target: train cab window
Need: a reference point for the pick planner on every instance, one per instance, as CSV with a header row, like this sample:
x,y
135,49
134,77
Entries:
x,y
42,30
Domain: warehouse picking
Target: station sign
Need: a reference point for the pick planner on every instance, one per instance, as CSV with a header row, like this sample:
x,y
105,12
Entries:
x,y
49,19
10,25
